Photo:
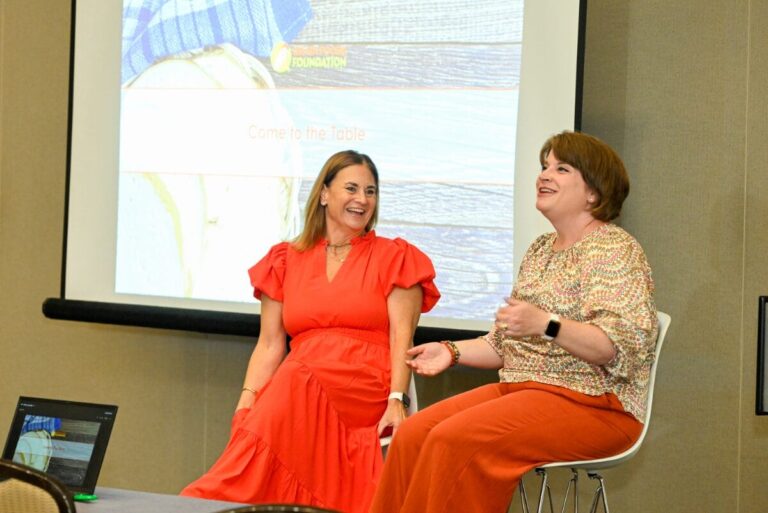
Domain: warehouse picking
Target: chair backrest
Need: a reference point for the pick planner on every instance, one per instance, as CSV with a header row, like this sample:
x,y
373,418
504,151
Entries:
x,y
277,508
664,321
28,490
412,408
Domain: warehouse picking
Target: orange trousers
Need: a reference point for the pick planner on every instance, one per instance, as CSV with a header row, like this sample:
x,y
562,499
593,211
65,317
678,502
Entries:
x,y
468,453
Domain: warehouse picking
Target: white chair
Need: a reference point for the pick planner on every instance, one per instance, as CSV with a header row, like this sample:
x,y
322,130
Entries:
x,y
412,408
591,467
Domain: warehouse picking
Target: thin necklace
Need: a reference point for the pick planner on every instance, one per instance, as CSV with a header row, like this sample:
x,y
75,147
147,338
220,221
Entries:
x,y
333,250
336,256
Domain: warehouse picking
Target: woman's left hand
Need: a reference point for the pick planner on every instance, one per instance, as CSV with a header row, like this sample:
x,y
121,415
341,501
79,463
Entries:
x,y
520,319
393,416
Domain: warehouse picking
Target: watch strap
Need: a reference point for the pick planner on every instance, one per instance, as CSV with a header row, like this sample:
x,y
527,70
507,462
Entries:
x,y
402,397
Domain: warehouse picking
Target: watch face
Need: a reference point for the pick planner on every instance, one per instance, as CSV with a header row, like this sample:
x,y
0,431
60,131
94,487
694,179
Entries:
x,y
406,401
553,328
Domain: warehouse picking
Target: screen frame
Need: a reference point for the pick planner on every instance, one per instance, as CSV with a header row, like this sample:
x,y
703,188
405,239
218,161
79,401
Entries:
x,y
215,321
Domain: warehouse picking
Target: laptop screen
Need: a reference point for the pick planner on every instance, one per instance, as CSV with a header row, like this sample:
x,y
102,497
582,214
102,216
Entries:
x,y
65,439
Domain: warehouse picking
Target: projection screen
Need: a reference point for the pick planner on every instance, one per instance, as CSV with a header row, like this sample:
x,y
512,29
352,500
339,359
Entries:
x,y
197,128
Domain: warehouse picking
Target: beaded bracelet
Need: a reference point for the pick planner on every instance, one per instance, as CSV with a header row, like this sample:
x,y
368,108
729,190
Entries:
x,y
455,353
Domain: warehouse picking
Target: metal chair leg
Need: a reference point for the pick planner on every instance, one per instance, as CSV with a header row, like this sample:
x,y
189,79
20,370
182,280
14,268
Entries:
x,y
599,494
544,490
523,497
574,480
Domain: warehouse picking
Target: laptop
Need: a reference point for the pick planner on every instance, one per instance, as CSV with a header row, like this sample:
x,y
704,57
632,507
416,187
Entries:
x,y
65,439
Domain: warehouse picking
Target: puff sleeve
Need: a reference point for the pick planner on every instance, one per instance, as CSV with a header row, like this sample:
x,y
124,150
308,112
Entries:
x,y
619,300
268,274
409,266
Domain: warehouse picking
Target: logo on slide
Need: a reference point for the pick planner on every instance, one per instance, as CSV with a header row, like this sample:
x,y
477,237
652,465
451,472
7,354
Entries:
x,y
284,57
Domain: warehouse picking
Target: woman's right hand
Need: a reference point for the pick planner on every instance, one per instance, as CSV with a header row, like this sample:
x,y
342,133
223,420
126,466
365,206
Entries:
x,y
429,359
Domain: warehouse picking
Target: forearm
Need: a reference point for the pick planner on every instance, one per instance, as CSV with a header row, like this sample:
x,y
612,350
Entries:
x,y
478,353
261,367
401,374
585,341
268,353
403,308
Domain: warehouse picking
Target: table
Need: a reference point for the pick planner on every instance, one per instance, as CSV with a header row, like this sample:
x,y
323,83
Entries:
x,y
114,500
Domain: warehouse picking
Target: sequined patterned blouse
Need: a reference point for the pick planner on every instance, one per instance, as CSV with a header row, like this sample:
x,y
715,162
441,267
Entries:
x,y
604,279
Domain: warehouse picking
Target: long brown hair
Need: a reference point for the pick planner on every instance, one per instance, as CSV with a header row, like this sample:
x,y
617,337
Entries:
x,y
314,215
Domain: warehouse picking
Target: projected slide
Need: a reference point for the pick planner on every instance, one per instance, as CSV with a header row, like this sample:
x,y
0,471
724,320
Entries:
x,y
229,109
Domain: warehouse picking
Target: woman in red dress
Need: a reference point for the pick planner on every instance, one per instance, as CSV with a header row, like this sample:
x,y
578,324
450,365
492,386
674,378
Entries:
x,y
306,428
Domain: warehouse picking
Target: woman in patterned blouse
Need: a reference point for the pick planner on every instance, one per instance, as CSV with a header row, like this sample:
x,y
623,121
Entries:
x,y
574,344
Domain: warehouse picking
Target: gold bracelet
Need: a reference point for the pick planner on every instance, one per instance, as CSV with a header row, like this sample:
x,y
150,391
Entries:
x,y
254,392
455,353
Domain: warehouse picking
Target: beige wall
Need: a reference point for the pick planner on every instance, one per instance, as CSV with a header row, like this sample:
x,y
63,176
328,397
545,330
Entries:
x,y
667,84
678,87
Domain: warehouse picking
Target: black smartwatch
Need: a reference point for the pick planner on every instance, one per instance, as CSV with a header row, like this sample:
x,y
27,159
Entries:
x,y
553,327
402,397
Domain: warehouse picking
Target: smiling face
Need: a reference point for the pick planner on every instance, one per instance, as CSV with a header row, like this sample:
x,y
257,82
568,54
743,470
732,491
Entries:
x,y
350,201
561,192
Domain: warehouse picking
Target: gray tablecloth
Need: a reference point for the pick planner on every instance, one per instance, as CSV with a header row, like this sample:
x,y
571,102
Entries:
x,y
113,500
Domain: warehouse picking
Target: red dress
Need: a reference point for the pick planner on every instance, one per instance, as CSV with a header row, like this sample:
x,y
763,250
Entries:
x,y
310,438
